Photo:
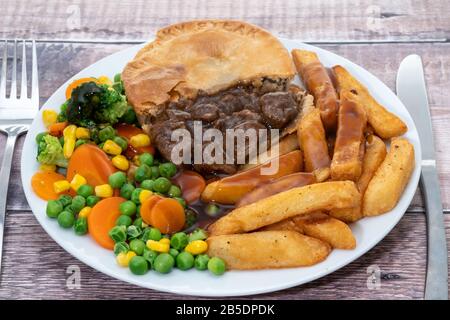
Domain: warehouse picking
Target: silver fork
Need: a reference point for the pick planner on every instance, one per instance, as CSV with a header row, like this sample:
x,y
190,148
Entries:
x,y
16,114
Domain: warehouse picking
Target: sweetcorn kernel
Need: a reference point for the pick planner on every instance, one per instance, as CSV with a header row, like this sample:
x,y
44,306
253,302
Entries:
x,y
77,181
120,162
112,148
197,247
84,213
165,240
123,258
82,133
140,140
61,186
49,117
104,191
144,195
158,246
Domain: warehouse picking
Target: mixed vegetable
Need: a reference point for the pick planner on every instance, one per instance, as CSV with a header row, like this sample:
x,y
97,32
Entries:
x,y
101,175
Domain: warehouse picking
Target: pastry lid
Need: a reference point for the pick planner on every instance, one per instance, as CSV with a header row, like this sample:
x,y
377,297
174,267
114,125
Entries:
x,y
207,56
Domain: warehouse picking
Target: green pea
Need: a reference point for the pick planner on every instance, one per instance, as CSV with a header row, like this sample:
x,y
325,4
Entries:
x,y
174,252
121,247
150,256
154,234
137,222
117,179
162,185
146,158
85,190
92,201
164,263
78,203
40,136
135,195
212,210
154,172
126,190
127,208
201,262
106,134
80,142
191,217
179,240
122,142
167,170
185,261
174,191
142,173
65,199
216,266
118,233
124,220
138,211
66,219
181,201
69,208
54,208
198,234
138,265
147,184
118,77
133,232
129,115
80,227
94,134
137,246
145,236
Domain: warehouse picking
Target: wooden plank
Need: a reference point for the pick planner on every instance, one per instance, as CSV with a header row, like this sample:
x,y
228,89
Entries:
x,y
35,267
380,59
315,20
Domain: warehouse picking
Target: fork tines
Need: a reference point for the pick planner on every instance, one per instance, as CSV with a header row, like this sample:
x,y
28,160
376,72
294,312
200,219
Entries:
x,y
17,46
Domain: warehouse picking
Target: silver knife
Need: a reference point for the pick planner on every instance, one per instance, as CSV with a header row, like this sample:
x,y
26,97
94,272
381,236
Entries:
x,y
412,92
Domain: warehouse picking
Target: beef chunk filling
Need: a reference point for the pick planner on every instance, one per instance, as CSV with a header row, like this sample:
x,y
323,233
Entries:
x,y
264,105
278,108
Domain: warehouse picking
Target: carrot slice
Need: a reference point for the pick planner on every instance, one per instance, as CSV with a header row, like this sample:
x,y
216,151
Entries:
x,y
191,184
167,215
77,83
57,128
146,208
42,184
102,219
92,163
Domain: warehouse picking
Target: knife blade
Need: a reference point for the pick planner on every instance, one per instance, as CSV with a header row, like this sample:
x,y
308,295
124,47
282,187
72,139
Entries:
x,y
411,89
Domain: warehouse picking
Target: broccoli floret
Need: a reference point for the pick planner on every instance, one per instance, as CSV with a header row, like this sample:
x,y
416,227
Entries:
x,y
113,106
95,102
62,116
50,151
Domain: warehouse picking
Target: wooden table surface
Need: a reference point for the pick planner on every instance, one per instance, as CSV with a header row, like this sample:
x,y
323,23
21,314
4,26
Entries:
x,y
375,34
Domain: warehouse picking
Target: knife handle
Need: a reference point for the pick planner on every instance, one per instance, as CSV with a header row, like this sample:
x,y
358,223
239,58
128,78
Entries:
x,y
436,286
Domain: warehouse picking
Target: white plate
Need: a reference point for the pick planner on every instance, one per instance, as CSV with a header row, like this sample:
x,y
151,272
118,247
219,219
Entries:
x,y
368,232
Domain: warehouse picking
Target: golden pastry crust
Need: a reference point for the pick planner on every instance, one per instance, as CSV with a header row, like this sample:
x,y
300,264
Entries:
x,y
203,55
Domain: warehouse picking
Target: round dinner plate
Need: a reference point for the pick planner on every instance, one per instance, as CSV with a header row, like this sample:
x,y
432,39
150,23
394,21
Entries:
x,y
368,231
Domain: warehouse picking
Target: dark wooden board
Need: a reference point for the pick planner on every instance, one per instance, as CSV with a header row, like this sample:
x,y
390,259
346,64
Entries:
x,y
35,267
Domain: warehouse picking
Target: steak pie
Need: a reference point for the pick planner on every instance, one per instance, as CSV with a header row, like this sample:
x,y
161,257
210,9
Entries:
x,y
224,74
